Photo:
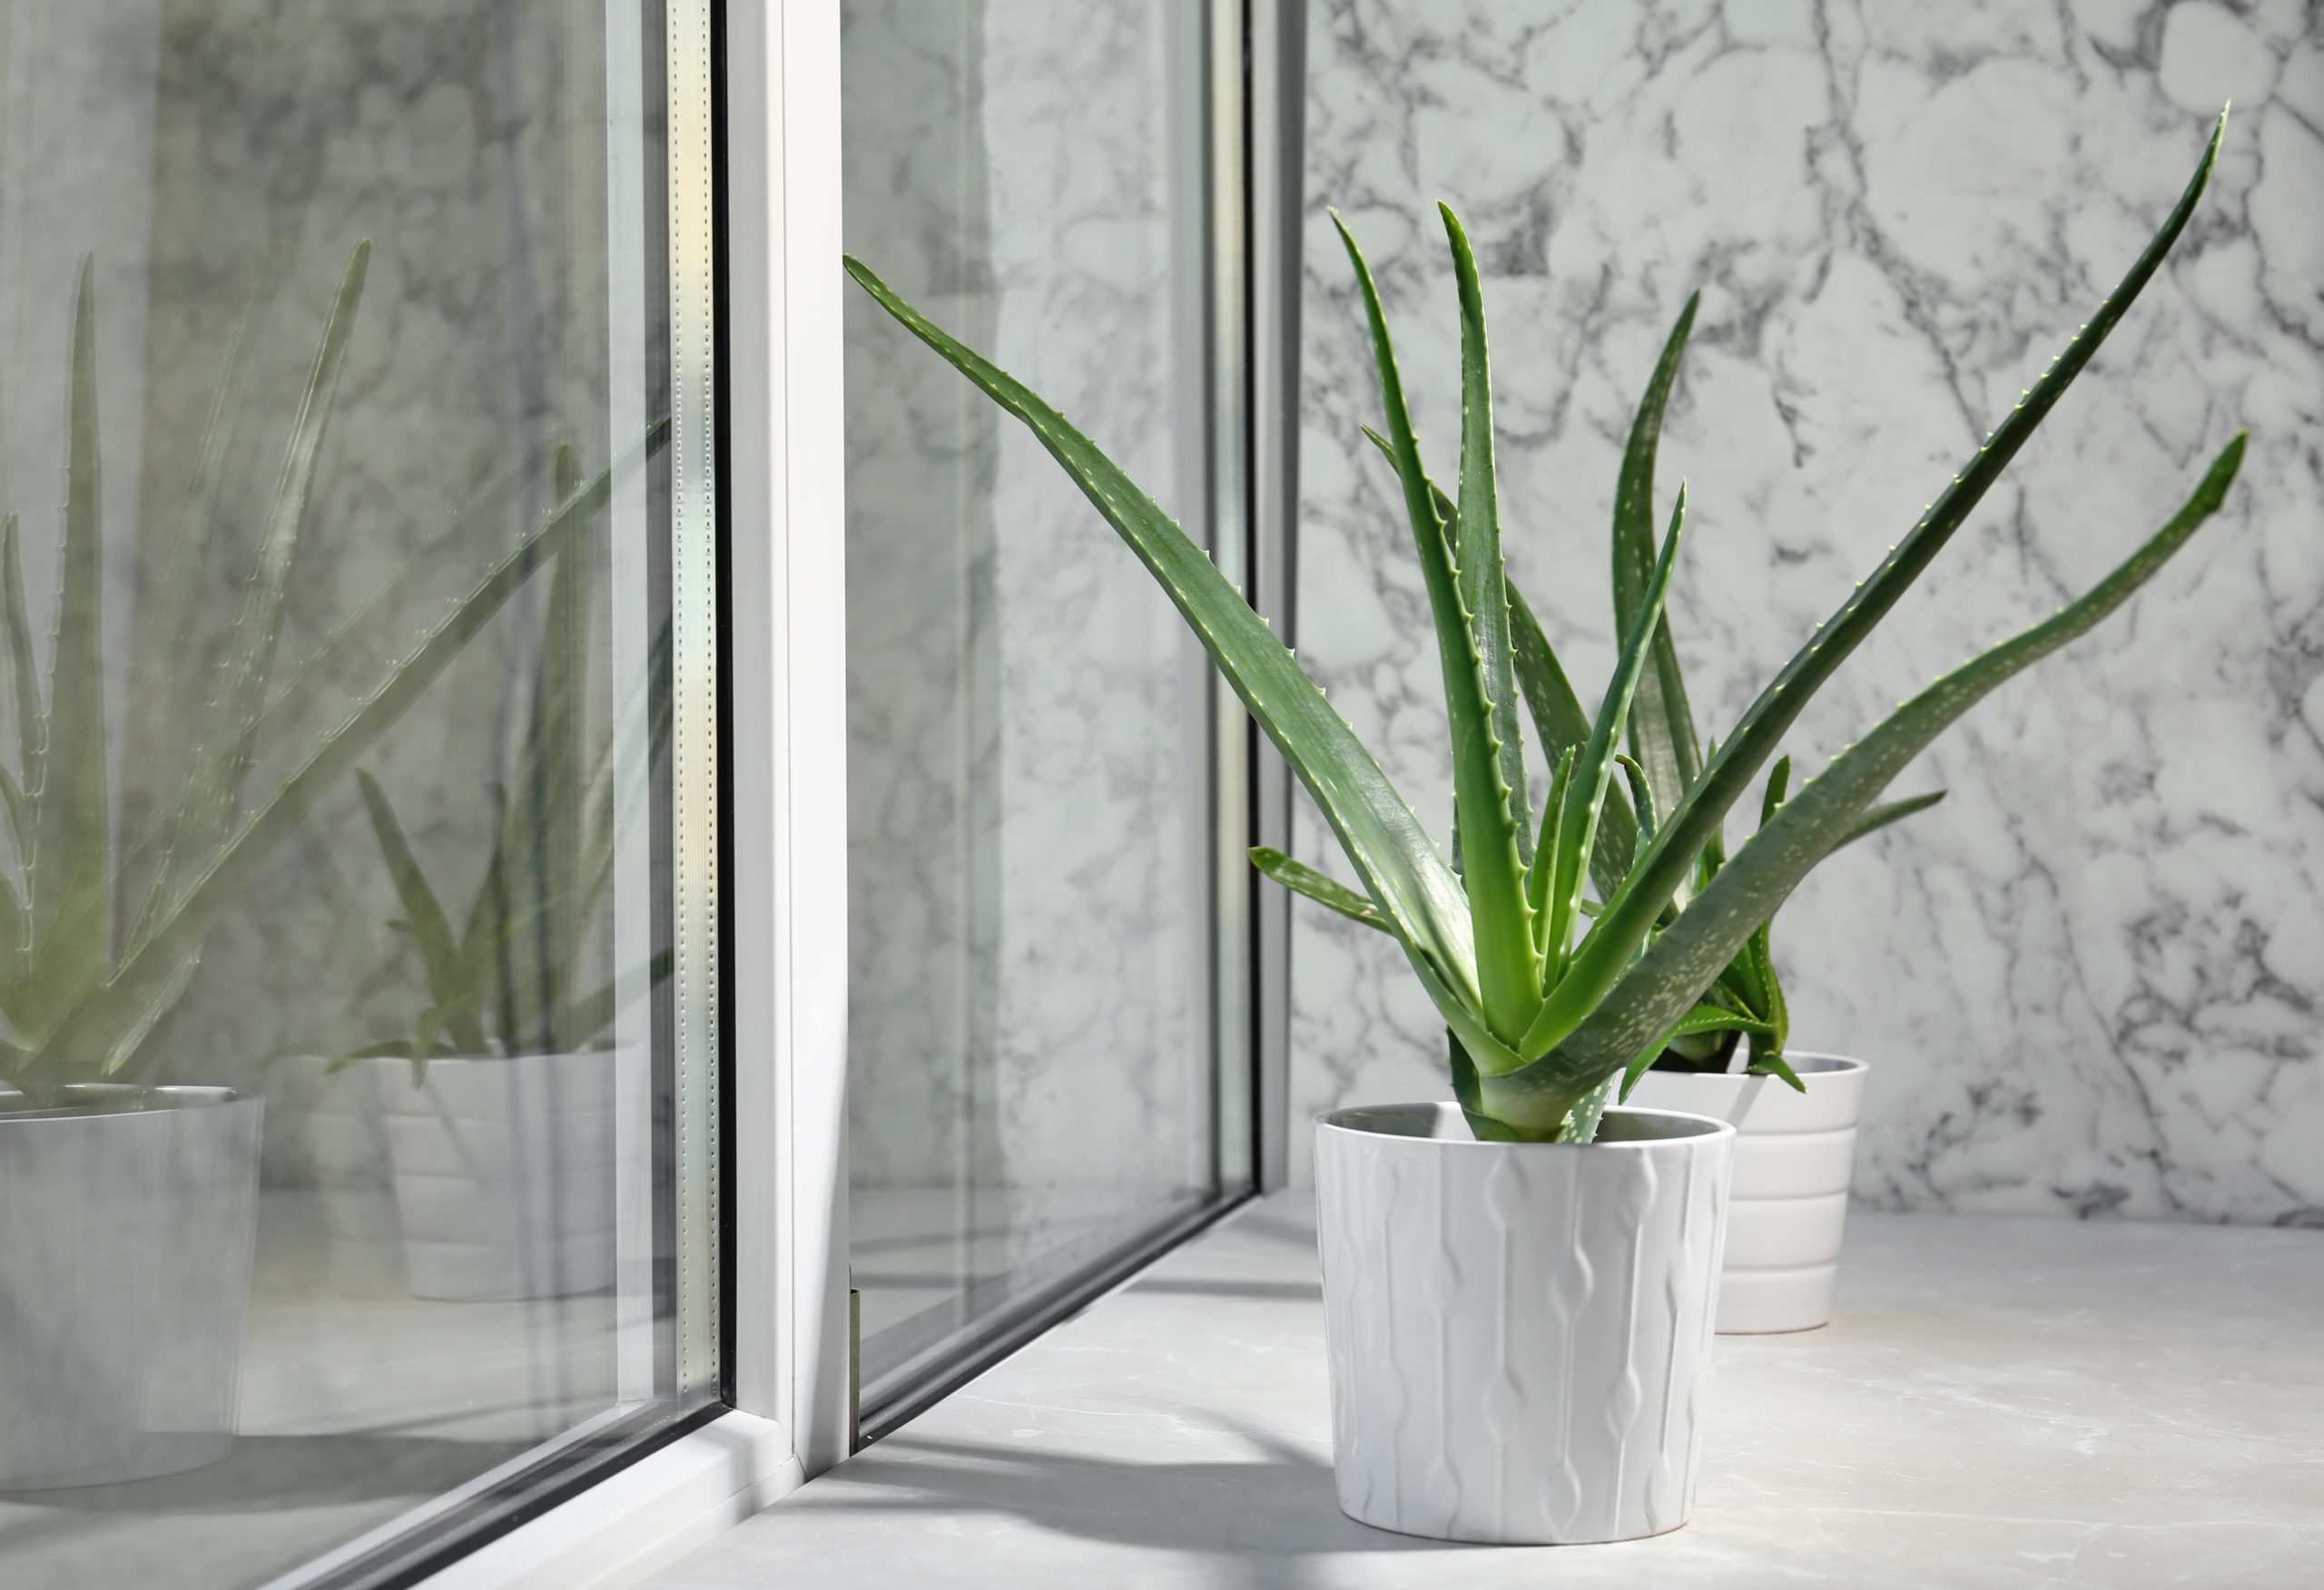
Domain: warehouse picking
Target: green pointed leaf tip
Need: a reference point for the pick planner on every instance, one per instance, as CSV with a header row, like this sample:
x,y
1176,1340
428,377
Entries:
x,y
1662,727
1302,878
1484,577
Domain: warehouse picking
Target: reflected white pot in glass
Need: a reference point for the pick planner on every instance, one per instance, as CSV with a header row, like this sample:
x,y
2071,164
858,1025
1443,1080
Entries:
x,y
1518,1333
1794,1153
127,1223
504,1173
334,1141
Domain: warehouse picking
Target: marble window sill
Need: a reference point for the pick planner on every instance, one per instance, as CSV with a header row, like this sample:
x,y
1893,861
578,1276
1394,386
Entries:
x,y
1999,1402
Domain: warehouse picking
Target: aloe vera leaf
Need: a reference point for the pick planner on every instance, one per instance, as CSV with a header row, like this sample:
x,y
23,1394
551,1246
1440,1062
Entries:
x,y
213,795
1586,793
1702,1018
1693,827
1539,880
1301,879
24,678
1779,785
390,1049
1477,550
423,912
426,1027
1462,1022
1581,1124
69,873
492,925
1767,1048
591,1014
551,777
1508,973
1641,793
595,866
1560,722
1755,880
499,923
1662,725
13,929
1391,853
1775,1066
1557,717
1879,816
309,697
95,1023
1753,969
168,690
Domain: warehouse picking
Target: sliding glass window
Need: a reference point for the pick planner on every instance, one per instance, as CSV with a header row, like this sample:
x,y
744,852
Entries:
x,y
357,1081
1044,1075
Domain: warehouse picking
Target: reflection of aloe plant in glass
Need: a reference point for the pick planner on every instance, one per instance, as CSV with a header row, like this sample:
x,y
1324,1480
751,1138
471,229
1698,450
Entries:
x,y
103,931
515,977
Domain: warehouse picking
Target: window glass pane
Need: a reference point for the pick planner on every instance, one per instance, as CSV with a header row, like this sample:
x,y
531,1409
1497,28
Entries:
x,y
1031,1041
337,1070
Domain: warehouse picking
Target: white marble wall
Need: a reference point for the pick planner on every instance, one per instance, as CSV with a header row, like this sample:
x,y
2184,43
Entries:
x,y
1027,993
2091,980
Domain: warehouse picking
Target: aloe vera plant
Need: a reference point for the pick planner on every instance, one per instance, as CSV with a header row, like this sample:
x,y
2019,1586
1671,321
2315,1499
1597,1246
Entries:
x,y
1549,996
514,978
103,922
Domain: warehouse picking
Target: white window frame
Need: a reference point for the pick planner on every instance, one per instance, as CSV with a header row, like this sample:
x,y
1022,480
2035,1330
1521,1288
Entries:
x,y
786,960
788,1350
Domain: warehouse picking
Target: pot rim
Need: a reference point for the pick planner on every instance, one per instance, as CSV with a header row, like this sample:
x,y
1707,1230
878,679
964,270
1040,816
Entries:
x,y
131,1099
501,1059
1697,1129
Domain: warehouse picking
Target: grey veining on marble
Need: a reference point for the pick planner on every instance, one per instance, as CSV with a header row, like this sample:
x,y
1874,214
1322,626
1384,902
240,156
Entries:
x,y
2090,982
1027,993
1999,1402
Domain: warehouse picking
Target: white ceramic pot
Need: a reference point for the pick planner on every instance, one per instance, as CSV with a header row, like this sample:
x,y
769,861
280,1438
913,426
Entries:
x,y
1793,1155
504,1173
1518,1333
127,1222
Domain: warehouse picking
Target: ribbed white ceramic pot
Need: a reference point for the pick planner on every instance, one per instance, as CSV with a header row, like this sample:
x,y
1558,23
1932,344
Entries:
x,y
1519,1333
504,1173
1794,1153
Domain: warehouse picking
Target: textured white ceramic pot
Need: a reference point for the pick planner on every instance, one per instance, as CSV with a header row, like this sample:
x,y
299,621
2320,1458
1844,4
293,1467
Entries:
x,y
1519,1333
127,1223
504,1173
1793,1155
